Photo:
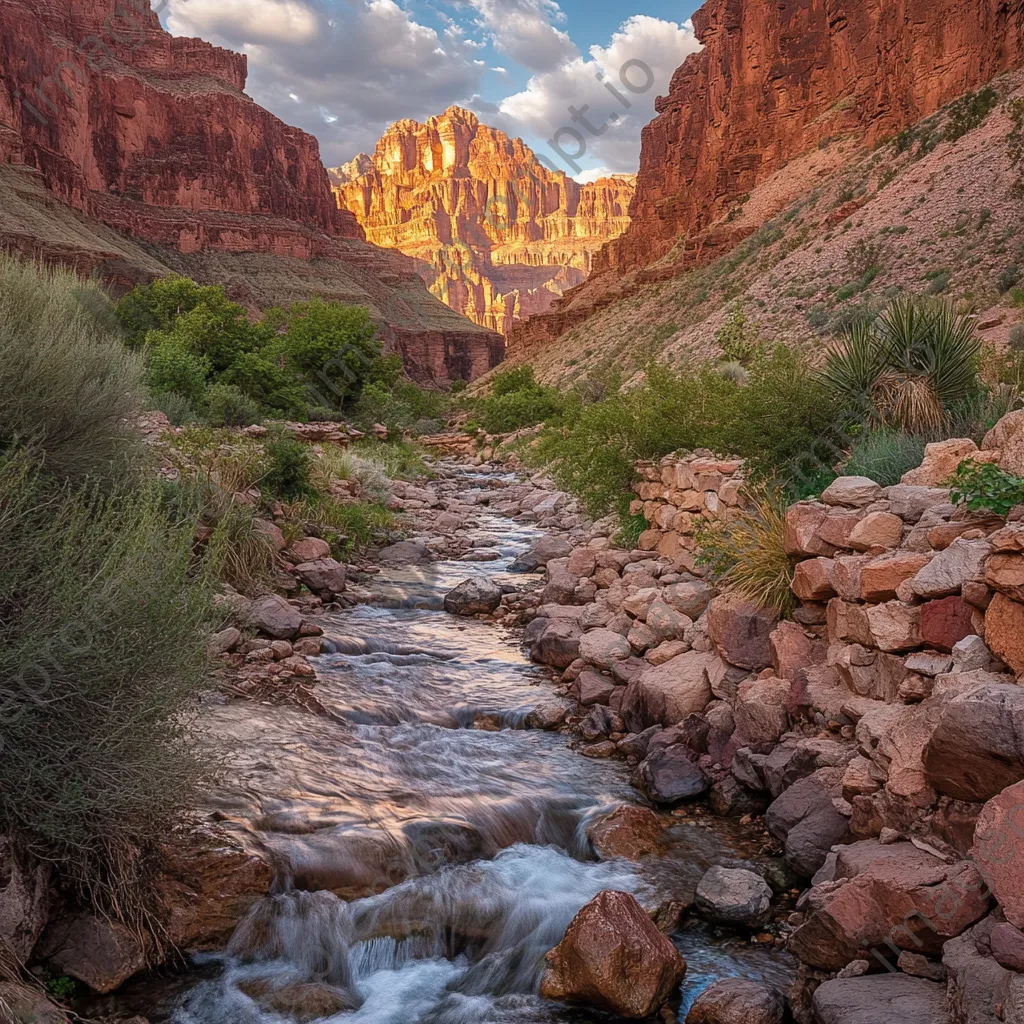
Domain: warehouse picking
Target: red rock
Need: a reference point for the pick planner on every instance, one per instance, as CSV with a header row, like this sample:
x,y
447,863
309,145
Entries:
x,y
812,579
803,520
894,626
1004,630
940,462
737,1001
946,622
101,953
613,958
666,694
999,850
876,530
629,831
760,713
740,630
792,648
1004,571
836,528
880,578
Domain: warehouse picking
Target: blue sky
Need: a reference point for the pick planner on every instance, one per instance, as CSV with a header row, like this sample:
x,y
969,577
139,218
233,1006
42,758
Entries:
x,y
345,69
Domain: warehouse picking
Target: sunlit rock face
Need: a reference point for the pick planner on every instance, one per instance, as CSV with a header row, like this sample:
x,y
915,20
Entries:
x,y
499,236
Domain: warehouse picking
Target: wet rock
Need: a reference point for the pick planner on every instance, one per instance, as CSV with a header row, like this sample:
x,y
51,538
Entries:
x,y
547,715
666,694
878,998
730,799
275,617
734,896
977,747
629,831
477,596
894,896
604,647
805,818
324,576
740,630
670,774
613,958
100,953
558,644
603,749
737,1001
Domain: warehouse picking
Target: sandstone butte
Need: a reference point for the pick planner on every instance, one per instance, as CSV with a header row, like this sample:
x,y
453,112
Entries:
x,y
499,237
775,79
128,153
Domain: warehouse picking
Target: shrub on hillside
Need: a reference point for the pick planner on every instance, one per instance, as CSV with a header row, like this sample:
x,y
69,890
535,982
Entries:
x,y
290,466
969,112
518,401
68,388
884,455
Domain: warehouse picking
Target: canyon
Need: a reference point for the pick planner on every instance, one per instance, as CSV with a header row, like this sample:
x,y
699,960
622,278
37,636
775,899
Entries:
x,y
781,96
497,236
128,153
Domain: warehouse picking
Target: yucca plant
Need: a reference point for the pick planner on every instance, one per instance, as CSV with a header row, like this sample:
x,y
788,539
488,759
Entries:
x,y
911,367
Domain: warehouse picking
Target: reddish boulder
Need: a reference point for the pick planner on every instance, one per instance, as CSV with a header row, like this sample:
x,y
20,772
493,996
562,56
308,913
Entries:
x,y
101,953
881,577
308,549
812,579
741,630
999,850
666,694
613,958
737,1001
1004,630
876,530
629,831
944,623
275,617
803,520
794,648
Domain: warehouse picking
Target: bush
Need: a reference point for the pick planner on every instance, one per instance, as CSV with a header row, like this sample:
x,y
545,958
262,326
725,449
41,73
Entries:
x,y
518,401
969,112
290,465
69,390
102,622
1009,276
227,406
173,370
345,525
1017,337
239,553
884,455
746,554
984,487
738,339
818,316
176,408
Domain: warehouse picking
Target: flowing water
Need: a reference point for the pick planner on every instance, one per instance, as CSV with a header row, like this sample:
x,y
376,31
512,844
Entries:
x,y
429,849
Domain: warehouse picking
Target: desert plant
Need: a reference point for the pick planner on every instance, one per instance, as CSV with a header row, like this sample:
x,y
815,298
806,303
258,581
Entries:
x,y
340,464
910,367
746,554
983,486
968,112
239,553
738,338
228,406
289,466
69,390
884,455
1008,277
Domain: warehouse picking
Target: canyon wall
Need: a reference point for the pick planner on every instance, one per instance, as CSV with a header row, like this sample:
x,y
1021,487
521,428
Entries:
x,y
152,136
499,236
775,79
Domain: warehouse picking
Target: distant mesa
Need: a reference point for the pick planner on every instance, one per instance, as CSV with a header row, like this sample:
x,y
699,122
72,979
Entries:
x,y
497,235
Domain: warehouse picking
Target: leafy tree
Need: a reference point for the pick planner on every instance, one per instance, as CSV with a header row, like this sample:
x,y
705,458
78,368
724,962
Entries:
x,y
173,368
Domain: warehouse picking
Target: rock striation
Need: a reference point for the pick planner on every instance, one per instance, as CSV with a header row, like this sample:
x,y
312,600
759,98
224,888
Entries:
x,y
775,79
153,137
499,236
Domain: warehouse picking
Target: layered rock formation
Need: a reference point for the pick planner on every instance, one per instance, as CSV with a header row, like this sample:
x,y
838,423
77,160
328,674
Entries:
x,y
152,136
499,236
775,79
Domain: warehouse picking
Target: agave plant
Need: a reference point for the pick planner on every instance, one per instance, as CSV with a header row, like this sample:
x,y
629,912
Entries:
x,y
910,367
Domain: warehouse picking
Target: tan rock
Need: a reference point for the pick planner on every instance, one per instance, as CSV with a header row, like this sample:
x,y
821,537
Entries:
x,y
1004,630
666,694
894,626
880,578
876,530
803,521
812,578
940,462
852,491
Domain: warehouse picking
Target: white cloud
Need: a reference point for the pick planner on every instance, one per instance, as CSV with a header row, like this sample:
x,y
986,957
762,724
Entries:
x,y
525,31
642,54
354,66
585,177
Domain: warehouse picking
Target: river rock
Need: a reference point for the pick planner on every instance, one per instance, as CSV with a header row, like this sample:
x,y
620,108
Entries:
x,y
613,958
308,549
880,999
977,747
542,552
100,953
603,647
665,694
741,631
558,643
594,688
275,617
805,818
476,596
405,552
325,576
669,774
737,1001
734,896
629,831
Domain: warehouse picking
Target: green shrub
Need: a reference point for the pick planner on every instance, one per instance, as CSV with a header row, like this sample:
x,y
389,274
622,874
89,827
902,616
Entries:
x,y
630,528
228,406
264,380
1008,277
738,338
516,378
401,460
239,553
175,407
290,467
938,282
884,455
346,525
518,401
746,553
969,112
818,316
172,369
103,616
984,487
68,388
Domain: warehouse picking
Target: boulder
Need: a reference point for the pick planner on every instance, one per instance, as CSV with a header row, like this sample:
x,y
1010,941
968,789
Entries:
x,y
760,713
594,688
1004,631
542,552
224,641
475,596
274,617
734,896
603,647
613,958
999,850
1007,945
910,502
812,578
876,530
945,622
557,643
887,897
978,989
670,774
24,900
852,491
794,648
880,999
977,747
741,630
894,626
737,1001
308,549
324,576
947,571
940,462
803,520
665,623
689,598
880,578
1004,571
629,831
806,820
582,562
100,953
666,694
561,585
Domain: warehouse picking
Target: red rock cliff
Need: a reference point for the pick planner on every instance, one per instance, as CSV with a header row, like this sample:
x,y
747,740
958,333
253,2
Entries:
x,y
500,236
153,136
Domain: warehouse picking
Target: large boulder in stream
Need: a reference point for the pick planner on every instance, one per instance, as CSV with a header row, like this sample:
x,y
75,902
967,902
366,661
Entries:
x,y
614,958
275,617
734,896
476,596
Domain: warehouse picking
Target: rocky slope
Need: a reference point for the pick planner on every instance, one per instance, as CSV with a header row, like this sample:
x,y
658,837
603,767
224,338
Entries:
x,y
787,101
499,236
153,136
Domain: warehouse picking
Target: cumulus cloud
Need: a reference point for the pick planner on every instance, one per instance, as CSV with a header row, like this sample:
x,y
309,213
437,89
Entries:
x,y
341,71
525,30
581,105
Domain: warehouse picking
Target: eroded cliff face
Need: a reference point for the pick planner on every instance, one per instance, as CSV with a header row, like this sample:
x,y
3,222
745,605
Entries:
x,y
775,79
152,135
499,236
